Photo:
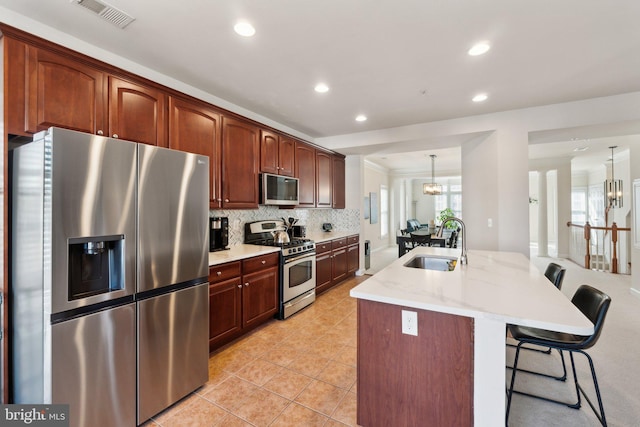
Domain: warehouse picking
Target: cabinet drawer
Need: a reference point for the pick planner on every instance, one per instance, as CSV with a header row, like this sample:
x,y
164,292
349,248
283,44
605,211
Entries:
x,y
323,247
353,239
218,273
260,262
338,243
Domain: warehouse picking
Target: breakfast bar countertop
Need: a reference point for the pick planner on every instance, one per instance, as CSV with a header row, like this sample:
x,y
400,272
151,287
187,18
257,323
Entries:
x,y
503,286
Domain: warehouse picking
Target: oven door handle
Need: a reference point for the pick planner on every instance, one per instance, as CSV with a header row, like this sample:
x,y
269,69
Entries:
x,y
302,256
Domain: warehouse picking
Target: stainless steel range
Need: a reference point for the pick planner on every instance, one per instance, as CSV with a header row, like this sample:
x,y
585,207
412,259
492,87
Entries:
x,y
297,264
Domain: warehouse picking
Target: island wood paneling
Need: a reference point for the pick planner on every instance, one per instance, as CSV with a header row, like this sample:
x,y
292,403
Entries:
x,y
405,380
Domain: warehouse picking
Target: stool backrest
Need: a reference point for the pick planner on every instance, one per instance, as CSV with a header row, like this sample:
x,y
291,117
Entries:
x,y
555,273
594,304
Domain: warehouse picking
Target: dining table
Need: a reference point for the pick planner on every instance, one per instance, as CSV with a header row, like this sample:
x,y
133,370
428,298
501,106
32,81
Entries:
x,y
403,239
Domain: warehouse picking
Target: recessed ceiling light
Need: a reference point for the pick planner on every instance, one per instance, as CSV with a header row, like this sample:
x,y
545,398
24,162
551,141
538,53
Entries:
x,y
480,97
585,148
244,29
361,118
321,88
479,49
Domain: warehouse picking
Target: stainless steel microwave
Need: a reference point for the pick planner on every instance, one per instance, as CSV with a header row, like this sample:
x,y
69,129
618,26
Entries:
x,y
278,190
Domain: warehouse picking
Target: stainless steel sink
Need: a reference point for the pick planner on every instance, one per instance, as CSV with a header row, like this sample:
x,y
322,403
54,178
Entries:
x,y
432,262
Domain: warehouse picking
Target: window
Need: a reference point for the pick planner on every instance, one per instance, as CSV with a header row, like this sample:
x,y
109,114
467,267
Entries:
x,y
451,197
579,205
384,211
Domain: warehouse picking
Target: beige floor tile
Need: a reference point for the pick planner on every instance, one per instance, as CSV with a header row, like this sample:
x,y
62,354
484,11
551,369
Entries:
x,y
321,397
229,360
215,378
325,348
334,423
346,410
288,384
256,345
308,364
347,355
281,355
338,374
297,416
231,393
200,412
232,421
259,371
261,407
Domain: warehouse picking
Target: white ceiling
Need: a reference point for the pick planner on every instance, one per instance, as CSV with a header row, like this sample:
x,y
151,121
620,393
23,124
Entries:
x,y
398,62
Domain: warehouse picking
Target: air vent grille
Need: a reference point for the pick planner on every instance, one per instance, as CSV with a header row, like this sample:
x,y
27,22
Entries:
x,y
106,12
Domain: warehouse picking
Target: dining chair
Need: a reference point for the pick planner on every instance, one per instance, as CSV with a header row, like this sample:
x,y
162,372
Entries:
x,y
420,239
594,304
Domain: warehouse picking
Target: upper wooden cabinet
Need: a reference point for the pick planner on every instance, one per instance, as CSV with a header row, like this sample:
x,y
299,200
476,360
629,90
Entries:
x,y
240,164
277,153
324,179
306,172
196,128
137,112
68,93
338,194
63,92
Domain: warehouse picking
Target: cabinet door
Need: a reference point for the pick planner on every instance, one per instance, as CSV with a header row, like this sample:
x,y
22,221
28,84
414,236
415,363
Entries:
x,y
324,180
196,129
338,265
286,156
338,199
268,152
225,319
240,164
305,162
353,258
259,296
323,272
62,92
137,113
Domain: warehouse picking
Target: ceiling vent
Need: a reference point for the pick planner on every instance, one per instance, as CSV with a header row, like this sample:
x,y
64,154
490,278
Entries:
x,y
106,12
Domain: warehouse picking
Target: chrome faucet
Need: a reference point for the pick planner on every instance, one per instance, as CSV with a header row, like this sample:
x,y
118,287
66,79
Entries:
x,y
463,257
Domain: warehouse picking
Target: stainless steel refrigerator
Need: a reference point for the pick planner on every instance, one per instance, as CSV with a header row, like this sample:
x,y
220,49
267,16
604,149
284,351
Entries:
x,y
108,276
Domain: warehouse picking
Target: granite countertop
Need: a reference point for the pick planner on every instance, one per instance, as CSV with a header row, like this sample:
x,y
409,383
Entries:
x,y
324,236
503,286
239,252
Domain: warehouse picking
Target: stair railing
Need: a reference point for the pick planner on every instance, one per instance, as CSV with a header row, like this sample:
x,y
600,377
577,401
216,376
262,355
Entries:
x,y
596,247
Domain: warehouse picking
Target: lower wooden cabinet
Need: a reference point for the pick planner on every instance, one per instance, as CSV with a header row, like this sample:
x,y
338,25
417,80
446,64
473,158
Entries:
x,y
242,295
336,260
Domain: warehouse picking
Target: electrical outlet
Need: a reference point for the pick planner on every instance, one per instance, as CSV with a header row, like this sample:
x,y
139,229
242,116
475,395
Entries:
x,y
410,322
490,222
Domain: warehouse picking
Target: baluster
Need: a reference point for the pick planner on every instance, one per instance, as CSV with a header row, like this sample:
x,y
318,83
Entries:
x,y
614,242
587,238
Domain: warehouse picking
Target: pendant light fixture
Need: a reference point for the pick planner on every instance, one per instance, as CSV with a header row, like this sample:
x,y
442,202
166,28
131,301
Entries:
x,y
432,189
613,187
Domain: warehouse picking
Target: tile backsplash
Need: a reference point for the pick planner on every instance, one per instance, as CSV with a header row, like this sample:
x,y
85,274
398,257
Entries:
x,y
342,219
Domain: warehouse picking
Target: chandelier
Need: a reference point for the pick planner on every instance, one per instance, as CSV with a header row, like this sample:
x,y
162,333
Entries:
x,y
613,187
432,189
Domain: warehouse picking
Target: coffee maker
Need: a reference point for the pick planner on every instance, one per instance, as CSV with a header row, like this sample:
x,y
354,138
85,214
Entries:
x,y
218,233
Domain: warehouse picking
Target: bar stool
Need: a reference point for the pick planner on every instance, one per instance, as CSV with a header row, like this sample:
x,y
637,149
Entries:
x,y
594,304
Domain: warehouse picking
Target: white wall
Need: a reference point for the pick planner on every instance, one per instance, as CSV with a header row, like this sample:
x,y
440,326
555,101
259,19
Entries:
x,y
373,178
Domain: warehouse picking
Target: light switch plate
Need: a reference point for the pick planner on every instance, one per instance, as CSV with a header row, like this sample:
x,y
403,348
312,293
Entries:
x,y
410,322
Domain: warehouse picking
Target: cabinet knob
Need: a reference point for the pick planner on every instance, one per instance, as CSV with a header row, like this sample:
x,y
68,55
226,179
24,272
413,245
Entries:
x,y
226,200
219,200
100,132
219,273
246,284
239,286
264,262
115,135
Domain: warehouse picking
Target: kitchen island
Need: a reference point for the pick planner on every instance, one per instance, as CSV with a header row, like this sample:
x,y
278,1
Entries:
x,y
453,371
